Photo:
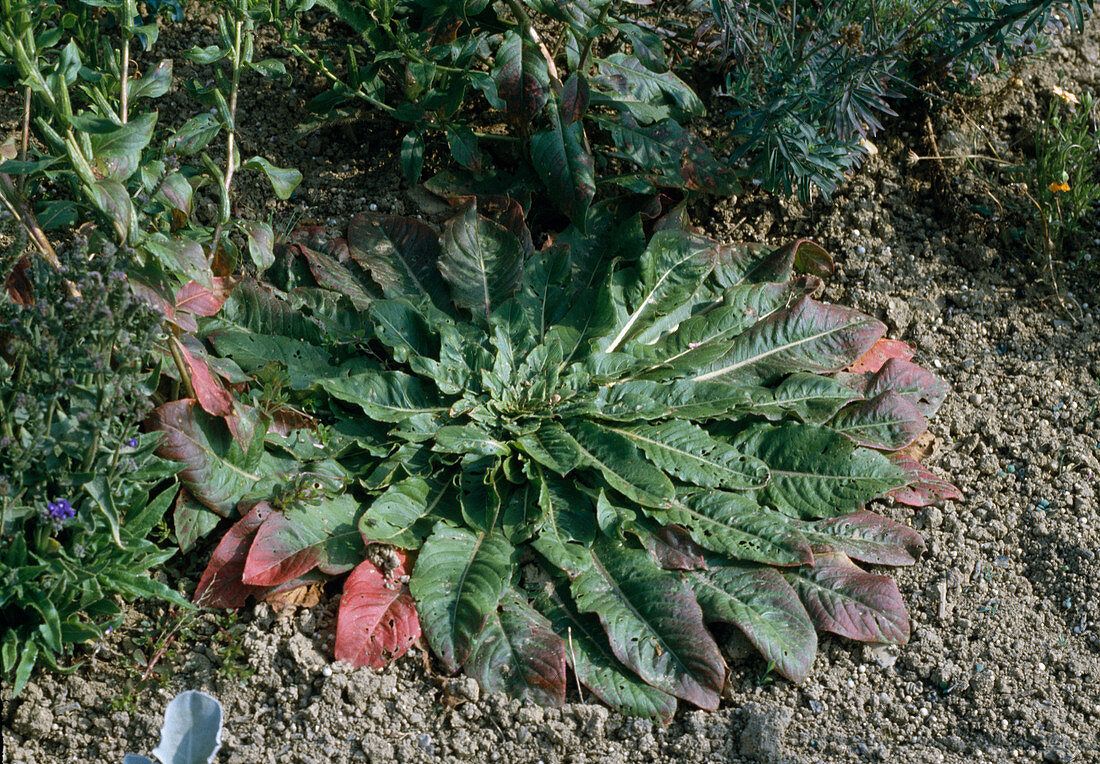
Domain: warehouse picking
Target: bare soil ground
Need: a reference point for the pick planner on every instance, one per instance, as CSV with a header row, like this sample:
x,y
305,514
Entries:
x,y
1004,663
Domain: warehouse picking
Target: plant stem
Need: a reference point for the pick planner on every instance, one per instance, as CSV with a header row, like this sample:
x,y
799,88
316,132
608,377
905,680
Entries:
x,y
125,94
230,140
26,134
181,365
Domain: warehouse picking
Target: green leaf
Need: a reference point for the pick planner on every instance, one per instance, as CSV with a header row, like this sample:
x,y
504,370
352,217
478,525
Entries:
x,y
482,261
154,83
867,537
890,421
817,472
522,79
811,397
388,396
26,665
620,73
405,513
330,274
463,145
670,269
192,521
194,135
687,452
412,156
457,584
261,245
672,155
596,665
568,524
765,607
401,255
304,362
104,499
283,181
468,439
735,525
124,140
808,336
142,516
653,622
621,465
112,199
517,652
564,163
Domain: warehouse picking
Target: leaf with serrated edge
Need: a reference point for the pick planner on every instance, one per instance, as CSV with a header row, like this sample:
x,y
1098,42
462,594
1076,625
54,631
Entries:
x,y
324,535
867,537
924,488
923,388
878,354
809,336
810,397
517,652
457,583
763,605
377,620
387,396
621,464
669,270
736,525
553,448
596,665
846,600
816,472
889,421
689,453
653,622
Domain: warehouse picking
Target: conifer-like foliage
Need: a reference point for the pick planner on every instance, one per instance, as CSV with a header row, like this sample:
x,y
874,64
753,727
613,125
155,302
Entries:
x,y
575,458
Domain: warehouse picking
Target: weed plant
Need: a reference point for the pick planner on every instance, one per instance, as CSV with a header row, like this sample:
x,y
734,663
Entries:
x,y
81,490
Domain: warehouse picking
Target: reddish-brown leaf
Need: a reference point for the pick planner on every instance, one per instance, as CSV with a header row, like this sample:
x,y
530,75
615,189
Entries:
x,y
880,353
213,397
221,585
377,621
194,298
926,488
843,598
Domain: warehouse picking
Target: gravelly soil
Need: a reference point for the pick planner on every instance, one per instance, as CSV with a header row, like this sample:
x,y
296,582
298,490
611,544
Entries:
x,y
1004,663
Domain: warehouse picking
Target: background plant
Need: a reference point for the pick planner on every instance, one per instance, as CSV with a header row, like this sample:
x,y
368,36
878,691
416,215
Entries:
x,y
80,488
1065,179
605,445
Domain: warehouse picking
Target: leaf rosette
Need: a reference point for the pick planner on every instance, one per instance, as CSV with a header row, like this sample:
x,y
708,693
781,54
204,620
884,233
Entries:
x,y
581,457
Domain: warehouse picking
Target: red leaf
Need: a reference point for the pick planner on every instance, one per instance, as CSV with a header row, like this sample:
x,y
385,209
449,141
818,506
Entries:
x,y
194,298
868,537
377,622
163,305
843,598
213,398
926,488
922,387
293,542
221,584
880,353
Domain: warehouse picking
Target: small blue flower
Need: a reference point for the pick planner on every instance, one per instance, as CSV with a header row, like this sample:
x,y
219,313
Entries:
x,y
132,443
60,510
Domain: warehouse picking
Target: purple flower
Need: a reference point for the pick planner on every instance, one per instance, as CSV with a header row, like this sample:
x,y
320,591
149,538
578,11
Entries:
x,y
60,510
132,443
